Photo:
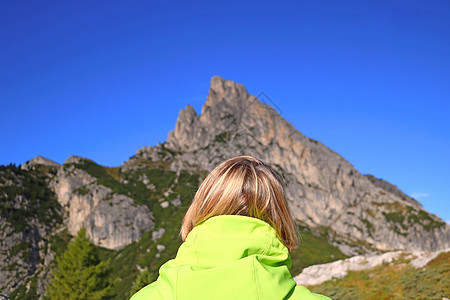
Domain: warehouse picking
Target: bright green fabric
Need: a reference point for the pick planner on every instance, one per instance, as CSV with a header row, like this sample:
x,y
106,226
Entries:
x,y
228,257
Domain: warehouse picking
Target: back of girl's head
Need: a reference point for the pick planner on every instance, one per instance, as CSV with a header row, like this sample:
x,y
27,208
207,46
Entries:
x,y
245,186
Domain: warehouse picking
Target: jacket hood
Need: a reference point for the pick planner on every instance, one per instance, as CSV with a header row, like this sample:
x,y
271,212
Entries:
x,y
229,257
222,240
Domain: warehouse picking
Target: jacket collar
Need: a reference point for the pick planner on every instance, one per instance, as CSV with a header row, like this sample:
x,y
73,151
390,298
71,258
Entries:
x,y
224,239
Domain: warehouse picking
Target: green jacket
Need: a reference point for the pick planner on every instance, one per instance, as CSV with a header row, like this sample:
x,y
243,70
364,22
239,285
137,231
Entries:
x,y
228,257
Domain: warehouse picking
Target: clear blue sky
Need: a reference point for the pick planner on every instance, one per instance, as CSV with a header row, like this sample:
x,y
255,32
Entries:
x,y
100,79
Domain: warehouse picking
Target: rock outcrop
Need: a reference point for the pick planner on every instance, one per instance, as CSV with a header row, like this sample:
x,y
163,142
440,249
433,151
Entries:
x,y
39,160
112,220
388,187
29,212
318,274
323,188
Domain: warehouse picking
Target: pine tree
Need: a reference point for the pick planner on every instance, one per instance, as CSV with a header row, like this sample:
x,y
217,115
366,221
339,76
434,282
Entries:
x,y
79,274
144,278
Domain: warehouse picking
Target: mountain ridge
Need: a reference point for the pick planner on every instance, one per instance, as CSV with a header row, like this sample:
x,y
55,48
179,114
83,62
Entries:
x,y
134,211
323,187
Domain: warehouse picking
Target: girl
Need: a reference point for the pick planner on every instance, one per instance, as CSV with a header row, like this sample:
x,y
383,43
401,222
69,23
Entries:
x,y
238,233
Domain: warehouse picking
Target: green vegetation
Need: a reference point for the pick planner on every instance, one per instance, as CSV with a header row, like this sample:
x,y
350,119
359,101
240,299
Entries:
x,y
19,248
313,141
22,293
58,242
142,280
397,281
82,190
105,176
228,116
395,217
369,226
314,248
79,273
168,186
166,153
144,252
26,197
221,138
423,218
132,184
402,217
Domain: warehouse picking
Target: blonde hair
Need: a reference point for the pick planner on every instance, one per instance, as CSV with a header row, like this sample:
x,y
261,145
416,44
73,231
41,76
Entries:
x,y
245,186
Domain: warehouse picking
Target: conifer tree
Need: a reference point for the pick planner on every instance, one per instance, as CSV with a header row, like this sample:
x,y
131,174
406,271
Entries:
x,y
79,274
144,278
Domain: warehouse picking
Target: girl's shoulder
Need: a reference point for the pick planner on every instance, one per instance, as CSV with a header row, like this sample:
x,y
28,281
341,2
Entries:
x,y
303,293
148,292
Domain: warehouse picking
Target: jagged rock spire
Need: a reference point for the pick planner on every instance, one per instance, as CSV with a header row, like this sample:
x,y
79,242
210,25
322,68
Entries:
x,y
324,189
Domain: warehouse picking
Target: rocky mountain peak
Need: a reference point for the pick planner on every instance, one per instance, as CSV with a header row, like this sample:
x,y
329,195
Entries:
x,y
323,189
228,113
39,160
224,93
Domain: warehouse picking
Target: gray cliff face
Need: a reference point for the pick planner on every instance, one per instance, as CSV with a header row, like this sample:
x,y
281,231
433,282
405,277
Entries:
x,y
112,220
23,231
390,188
34,259
323,188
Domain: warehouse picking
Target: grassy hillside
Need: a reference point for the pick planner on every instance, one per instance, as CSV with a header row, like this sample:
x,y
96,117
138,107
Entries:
x,y
314,248
399,280
25,197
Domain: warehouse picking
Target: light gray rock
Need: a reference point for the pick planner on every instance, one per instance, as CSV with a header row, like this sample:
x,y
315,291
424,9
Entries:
x,y
73,159
391,189
167,193
39,160
318,274
156,235
176,201
111,220
139,268
421,259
